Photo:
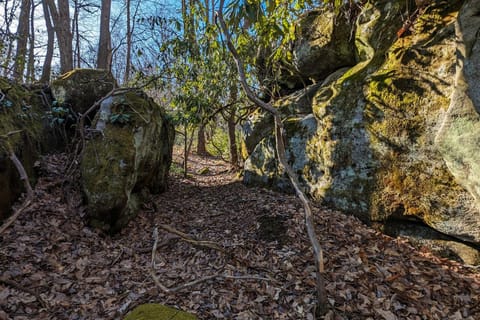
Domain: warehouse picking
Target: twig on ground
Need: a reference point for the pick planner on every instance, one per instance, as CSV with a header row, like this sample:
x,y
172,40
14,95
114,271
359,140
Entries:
x,y
23,176
19,287
117,258
185,237
194,282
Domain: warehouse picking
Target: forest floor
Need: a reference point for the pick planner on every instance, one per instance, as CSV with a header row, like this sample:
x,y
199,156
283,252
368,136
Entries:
x,y
53,266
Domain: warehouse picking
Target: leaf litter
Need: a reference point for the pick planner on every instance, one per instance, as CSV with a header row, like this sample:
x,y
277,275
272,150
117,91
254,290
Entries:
x,y
53,266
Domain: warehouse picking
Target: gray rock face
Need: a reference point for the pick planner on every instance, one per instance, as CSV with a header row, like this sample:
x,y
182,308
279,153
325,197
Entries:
x,y
459,136
129,152
397,134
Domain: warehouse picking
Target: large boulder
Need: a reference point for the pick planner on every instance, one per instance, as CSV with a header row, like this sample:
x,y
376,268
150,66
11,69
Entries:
x,y
459,136
79,89
391,142
324,43
129,151
20,131
297,105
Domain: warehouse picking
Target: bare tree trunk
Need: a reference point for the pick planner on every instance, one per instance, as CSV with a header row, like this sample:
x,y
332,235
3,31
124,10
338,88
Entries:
x,y
65,37
126,76
31,46
213,10
232,139
22,38
104,58
47,63
207,12
231,123
61,21
76,35
322,305
185,151
201,141
10,10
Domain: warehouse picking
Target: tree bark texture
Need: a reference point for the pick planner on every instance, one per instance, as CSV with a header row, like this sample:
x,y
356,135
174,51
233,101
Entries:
x,y
104,57
201,141
61,22
47,63
22,38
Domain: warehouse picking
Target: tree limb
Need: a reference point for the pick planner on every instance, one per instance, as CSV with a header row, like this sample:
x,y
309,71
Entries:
x,y
19,287
23,176
322,303
194,282
185,237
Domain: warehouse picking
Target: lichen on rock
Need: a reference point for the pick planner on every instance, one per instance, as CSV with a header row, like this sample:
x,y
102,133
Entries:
x,y
391,140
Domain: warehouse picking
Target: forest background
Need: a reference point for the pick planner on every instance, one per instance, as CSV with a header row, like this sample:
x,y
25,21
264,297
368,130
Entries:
x,y
173,50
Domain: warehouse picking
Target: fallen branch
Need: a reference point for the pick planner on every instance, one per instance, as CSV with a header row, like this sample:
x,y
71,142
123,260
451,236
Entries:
x,y
185,237
23,176
19,287
194,282
322,301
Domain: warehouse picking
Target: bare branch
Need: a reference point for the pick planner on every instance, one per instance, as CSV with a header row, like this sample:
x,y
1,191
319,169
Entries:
x,y
185,237
194,282
23,176
322,305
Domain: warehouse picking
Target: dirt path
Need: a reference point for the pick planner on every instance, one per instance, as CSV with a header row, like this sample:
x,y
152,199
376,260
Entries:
x,y
81,274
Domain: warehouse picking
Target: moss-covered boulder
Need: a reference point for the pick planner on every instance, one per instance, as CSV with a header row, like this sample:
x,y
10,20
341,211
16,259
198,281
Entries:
x,y
79,89
156,311
324,43
390,140
21,130
129,151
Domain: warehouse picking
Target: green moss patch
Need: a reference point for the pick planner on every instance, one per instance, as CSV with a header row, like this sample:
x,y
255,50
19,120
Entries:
x,y
155,311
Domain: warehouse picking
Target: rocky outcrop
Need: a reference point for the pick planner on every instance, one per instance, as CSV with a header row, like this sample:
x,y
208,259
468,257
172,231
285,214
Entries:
x,y
79,89
21,130
324,44
129,151
459,136
390,141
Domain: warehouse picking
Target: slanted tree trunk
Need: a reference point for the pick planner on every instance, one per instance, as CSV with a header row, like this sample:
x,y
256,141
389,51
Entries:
x,y
47,63
104,57
322,304
22,38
